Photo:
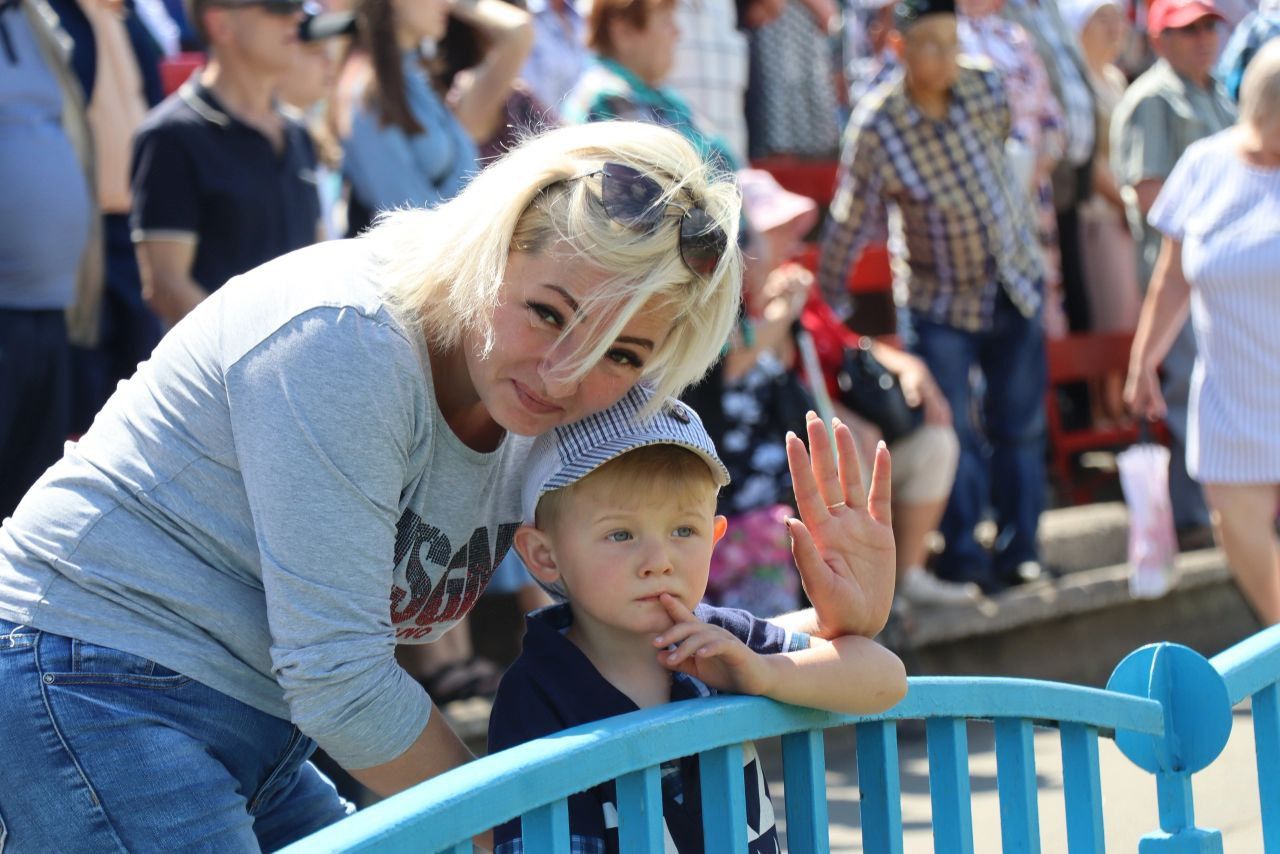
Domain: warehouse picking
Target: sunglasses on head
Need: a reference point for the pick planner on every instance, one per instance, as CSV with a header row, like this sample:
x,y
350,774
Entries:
x,y
634,199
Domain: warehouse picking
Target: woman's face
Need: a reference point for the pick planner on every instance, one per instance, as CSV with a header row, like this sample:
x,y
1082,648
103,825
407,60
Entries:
x,y
523,382
420,20
1105,32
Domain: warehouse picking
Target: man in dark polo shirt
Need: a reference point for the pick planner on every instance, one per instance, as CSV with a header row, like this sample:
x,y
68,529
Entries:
x,y
222,180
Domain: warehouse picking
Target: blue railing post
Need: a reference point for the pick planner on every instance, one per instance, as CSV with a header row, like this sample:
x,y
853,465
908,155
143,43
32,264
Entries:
x,y
1197,723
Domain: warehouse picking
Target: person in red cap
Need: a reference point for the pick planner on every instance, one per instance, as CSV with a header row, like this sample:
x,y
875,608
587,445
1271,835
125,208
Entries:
x,y
1173,104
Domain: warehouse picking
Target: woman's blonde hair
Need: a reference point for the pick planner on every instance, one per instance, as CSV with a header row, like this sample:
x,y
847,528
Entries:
x,y
1260,86
443,268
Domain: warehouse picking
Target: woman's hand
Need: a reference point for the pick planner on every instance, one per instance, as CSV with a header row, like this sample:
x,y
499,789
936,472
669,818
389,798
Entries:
x,y
1142,393
843,541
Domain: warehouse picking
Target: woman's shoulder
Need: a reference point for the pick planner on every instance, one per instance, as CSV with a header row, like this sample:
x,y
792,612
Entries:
x,y
335,280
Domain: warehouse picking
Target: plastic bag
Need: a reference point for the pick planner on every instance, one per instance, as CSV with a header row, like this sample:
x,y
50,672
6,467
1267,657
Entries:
x,y
1153,545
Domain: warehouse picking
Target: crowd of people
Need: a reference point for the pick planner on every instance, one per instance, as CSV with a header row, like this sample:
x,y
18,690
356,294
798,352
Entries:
x,y
1011,152
559,226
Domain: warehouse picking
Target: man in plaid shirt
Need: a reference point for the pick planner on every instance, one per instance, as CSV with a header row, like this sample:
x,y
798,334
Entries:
x,y
924,160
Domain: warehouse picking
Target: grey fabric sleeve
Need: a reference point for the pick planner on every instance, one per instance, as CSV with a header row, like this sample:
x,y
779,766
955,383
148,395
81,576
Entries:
x,y
323,417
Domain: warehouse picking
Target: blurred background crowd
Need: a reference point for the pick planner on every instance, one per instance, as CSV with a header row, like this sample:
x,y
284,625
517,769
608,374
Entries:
x,y
150,150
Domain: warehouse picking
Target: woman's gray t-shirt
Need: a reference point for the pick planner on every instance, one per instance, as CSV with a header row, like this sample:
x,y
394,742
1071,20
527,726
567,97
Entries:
x,y
272,503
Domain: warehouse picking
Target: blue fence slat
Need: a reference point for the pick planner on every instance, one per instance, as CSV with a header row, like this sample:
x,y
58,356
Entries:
x,y
948,745
1250,665
640,827
1016,782
804,769
462,848
1266,736
878,780
1082,789
546,829
724,802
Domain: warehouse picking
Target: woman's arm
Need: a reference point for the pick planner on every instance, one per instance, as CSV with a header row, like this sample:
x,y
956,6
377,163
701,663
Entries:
x,y
436,750
1163,313
479,96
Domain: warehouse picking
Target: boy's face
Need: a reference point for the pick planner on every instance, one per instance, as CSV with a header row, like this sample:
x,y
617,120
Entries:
x,y
614,550
928,50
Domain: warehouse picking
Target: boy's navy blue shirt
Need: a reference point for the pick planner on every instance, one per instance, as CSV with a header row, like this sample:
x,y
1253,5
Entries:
x,y
554,686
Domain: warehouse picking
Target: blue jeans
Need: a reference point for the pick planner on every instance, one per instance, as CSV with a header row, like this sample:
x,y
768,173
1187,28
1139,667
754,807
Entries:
x,y
35,398
1004,446
101,750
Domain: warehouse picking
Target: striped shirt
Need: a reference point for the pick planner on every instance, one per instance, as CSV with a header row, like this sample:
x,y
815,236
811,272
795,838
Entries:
x,y
1226,213
958,227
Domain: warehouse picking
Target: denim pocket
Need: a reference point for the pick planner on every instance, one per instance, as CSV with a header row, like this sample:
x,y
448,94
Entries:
x,y
92,664
14,638
4,834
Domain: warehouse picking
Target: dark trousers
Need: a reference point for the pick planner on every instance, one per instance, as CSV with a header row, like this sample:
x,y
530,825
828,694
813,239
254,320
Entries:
x,y
1002,448
128,331
35,398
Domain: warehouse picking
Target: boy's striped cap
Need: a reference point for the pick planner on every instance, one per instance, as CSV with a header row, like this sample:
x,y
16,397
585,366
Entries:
x,y
567,454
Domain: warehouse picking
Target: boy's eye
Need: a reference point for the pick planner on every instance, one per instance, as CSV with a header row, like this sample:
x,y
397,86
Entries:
x,y
686,531
619,536
546,314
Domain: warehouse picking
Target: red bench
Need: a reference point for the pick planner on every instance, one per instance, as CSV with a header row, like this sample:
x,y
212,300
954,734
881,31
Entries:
x,y
175,70
1081,357
817,180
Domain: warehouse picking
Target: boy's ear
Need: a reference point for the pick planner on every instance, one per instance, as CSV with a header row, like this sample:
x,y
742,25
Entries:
x,y
534,547
721,525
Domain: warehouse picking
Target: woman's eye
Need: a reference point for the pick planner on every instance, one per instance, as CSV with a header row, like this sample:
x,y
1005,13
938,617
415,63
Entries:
x,y
546,314
619,536
685,531
624,357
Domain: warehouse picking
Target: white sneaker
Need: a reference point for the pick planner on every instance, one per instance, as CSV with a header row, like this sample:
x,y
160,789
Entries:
x,y
922,588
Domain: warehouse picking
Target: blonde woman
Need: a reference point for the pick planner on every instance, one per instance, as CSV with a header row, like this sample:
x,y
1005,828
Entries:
x,y
1219,212
324,461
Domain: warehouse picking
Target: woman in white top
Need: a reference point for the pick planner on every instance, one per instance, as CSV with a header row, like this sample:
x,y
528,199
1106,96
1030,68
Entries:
x,y
1220,216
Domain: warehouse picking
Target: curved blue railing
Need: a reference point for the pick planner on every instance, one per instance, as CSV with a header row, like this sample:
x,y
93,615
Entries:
x,y
1167,707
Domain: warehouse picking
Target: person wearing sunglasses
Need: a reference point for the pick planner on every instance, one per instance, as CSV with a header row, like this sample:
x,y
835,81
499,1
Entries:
x,y
324,460
222,179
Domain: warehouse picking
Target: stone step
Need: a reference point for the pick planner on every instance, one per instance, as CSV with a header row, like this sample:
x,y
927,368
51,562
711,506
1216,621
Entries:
x,y
1075,628
1086,537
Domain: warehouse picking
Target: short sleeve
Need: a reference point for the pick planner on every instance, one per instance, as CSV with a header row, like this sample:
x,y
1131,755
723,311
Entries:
x,y
166,198
1179,197
1141,147
759,635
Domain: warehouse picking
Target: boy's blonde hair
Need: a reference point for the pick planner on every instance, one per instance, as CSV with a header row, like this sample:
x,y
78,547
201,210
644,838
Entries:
x,y
443,268
679,473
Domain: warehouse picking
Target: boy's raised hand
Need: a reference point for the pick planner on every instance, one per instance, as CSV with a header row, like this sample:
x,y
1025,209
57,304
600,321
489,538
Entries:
x,y
843,541
709,653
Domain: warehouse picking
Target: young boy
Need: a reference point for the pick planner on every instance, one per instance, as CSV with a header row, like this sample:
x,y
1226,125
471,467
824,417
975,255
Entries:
x,y
620,524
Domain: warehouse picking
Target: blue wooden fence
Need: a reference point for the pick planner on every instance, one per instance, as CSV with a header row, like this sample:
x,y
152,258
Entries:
x,y
1168,709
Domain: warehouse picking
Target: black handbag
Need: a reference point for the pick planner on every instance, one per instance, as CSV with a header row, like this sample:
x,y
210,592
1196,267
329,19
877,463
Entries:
x,y
867,388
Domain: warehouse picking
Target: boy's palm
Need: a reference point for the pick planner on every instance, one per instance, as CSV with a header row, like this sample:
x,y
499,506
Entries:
x,y
709,653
